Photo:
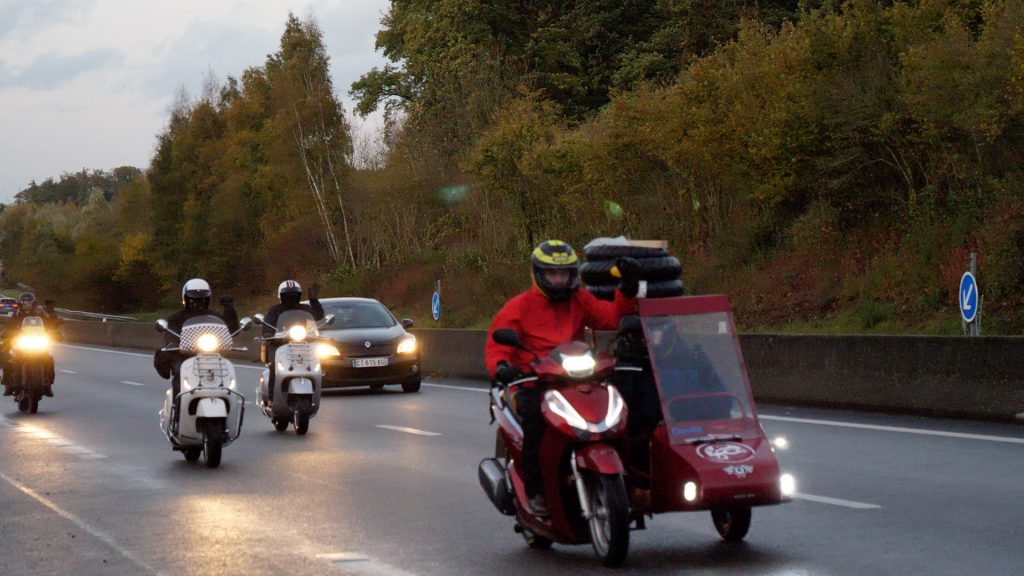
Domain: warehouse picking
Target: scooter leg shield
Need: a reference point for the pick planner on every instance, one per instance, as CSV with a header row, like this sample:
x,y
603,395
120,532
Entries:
x,y
299,386
601,458
492,480
211,408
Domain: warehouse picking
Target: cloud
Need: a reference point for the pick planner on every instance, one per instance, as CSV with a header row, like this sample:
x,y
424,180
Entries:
x,y
24,18
51,70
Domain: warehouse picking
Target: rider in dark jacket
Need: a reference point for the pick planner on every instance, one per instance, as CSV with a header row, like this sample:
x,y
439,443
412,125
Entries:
x,y
554,311
289,295
27,306
195,299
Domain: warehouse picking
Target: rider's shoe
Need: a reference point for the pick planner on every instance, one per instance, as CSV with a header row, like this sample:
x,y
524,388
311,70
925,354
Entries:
x,y
537,504
48,391
8,391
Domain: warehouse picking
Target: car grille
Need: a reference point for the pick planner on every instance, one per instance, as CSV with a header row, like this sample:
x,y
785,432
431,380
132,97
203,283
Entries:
x,y
360,350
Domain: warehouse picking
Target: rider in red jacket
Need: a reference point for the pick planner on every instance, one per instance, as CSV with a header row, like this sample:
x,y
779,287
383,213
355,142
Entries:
x,y
554,311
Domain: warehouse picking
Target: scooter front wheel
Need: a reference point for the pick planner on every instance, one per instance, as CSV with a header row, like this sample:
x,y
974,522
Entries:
x,y
609,520
302,409
213,442
280,424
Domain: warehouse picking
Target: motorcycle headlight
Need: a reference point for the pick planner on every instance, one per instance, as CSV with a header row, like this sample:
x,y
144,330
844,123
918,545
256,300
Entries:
x,y
325,350
579,366
297,333
407,346
207,343
32,342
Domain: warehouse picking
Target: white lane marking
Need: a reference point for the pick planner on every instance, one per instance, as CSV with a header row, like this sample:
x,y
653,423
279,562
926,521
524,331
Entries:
x,y
408,430
961,435
68,372
130,383
836,502
361,564
57,441
450,387
97,533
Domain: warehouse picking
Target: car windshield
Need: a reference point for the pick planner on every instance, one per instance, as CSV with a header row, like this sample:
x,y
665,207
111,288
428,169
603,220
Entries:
x,y
699,373
358,315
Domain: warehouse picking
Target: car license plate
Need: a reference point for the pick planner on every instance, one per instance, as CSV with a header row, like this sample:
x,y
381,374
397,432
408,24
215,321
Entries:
x,y
369,362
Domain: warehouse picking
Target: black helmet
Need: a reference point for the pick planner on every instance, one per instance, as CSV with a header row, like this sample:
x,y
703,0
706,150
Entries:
x,y
27,300
289,293
195,294
555,255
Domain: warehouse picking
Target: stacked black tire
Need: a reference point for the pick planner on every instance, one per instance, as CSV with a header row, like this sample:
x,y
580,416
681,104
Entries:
x,y
660,270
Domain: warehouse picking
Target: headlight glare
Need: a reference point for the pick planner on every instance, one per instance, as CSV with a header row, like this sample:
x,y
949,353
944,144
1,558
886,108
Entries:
x,y
297,333
690,491
207,343
407,346
32,342
325,350
579,366
787,485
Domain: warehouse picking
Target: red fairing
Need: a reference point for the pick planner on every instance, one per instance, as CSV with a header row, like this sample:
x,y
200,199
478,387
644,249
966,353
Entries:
x,y
599,457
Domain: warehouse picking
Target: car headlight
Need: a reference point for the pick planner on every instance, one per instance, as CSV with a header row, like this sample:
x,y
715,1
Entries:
x,y
326,350
297,333
407,346
579,366
207,343
787,485
32,342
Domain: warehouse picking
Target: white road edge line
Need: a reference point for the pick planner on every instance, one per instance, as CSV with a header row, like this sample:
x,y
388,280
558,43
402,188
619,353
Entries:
x,y
67,372
361,564
450,387
130,383
924,432
836,501
99,534
407,430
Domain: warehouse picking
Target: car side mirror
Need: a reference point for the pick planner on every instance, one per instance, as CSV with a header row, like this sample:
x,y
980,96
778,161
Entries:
x,y
161,325
258,319
407,323
508,337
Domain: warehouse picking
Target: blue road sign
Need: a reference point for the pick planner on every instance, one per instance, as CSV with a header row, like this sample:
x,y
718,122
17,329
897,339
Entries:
x,y
435,306
968,297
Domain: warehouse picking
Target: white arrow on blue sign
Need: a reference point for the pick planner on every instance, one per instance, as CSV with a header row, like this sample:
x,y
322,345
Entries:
x,y
435,306
968,297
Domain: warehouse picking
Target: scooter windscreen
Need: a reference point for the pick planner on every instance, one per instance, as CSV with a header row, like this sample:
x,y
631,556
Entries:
x,y
290,319
699,372
206,333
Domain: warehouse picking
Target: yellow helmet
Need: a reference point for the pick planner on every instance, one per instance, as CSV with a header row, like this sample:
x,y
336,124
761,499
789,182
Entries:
x,y
555,255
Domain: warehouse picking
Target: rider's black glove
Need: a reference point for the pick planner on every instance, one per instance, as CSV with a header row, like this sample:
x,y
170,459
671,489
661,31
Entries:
x,y
630,270
227,301
314,291
506,372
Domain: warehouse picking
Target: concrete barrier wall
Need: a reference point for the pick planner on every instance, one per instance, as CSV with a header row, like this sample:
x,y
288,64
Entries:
x,y
942,376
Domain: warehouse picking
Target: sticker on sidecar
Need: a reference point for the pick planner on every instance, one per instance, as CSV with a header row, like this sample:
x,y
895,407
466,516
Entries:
x,y
741,471
688,431
725,452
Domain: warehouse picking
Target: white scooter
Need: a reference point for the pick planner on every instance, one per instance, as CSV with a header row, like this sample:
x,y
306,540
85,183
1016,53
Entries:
x,y
297,374
209,411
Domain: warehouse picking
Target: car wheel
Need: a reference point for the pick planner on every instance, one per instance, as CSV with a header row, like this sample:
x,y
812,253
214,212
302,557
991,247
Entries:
x,y
411,386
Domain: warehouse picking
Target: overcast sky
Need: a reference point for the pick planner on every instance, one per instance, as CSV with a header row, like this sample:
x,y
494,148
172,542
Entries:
x,y
89,83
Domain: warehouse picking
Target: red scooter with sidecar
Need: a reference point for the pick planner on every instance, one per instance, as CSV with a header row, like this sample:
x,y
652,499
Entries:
x,y
581,467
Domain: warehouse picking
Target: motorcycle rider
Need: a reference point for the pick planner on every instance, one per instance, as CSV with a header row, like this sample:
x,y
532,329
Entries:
x,y
553,311
195,300
27,306
289,296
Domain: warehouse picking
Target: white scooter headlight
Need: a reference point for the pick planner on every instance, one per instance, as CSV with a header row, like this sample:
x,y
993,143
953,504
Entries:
x,y
207,343
579,366
297,333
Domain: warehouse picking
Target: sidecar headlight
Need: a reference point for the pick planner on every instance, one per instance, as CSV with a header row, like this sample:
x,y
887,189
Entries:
x,y
297,333
207,343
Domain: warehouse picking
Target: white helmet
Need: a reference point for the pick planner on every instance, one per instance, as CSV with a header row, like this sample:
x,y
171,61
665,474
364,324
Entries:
x,y
288,287
196,290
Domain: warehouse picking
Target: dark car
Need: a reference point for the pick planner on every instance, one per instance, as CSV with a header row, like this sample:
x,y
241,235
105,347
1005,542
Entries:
x,y
8,306
375,348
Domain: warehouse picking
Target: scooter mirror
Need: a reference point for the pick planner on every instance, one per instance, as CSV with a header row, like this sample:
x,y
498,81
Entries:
x,y
328,320
245,323
161,325
507,337
407,323
258,318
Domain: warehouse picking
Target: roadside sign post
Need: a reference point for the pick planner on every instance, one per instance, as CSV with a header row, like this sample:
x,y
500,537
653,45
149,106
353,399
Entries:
x,y
435,302
969,299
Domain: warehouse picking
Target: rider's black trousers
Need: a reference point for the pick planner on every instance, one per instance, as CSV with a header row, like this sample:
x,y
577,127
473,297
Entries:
x,y
528,401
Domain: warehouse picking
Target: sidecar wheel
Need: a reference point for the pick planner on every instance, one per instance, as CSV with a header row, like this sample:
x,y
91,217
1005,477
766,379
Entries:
x,y
732,523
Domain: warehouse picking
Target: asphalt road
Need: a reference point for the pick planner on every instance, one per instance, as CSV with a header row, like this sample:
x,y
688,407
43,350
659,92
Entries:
x,y
385,484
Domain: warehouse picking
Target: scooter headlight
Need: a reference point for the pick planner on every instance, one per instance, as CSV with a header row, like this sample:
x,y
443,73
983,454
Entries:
x,y
560,406
297,333
787,485
579,366
207,343
325,350
32,342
